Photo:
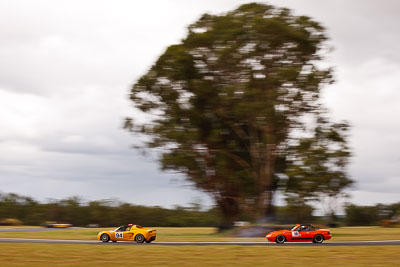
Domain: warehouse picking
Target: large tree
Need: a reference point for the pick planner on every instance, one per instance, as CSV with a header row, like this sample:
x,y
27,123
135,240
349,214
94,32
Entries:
x,y
315,165
225,101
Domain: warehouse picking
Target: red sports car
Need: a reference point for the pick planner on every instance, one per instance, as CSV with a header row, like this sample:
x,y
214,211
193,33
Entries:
x,y
299,232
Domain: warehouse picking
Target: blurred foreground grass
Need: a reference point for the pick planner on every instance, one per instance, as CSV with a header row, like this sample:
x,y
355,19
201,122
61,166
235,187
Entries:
x,y
209,234
147,255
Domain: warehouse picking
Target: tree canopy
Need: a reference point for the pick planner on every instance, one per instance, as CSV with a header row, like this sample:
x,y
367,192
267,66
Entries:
x,y
227,102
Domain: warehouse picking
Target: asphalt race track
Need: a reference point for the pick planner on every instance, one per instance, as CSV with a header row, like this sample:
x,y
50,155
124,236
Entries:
x,y
95,242
328,243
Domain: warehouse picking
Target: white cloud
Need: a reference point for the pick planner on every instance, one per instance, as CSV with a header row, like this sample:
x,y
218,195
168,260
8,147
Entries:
x,y
367,96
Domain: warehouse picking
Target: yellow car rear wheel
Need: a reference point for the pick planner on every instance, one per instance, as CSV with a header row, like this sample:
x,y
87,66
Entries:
x,y
139,238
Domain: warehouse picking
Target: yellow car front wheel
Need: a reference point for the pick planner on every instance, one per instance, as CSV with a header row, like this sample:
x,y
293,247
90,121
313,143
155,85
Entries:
x,y
105,238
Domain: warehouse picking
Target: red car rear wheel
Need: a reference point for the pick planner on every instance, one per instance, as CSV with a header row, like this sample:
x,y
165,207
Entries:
x,y
318,239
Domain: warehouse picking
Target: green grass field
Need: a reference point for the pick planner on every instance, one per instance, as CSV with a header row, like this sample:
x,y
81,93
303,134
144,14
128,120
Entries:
x,y
108,255
99,255
209,234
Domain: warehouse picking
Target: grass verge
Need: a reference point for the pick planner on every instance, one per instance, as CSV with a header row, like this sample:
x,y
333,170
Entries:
x,y
98,255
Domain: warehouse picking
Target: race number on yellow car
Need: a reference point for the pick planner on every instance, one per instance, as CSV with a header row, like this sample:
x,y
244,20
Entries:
x,y
128,232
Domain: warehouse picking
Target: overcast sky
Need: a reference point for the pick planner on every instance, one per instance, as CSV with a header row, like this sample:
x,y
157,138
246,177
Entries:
x,y
66,68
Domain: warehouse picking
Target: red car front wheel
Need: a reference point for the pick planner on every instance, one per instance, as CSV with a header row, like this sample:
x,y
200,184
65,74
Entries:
x,y
280,239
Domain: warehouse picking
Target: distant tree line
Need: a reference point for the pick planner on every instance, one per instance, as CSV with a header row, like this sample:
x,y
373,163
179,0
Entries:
x,y
113,213
103,212
372,215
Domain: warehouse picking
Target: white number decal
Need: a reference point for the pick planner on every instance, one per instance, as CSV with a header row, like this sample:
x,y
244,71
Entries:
x,y
119,235
295,233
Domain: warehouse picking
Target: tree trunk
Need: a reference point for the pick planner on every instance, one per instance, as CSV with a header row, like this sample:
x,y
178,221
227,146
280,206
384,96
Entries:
x,y
263,158
230,212
265,188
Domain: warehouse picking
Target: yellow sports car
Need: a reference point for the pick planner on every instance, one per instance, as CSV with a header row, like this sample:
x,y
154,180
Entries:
x,y
128,232
56,224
